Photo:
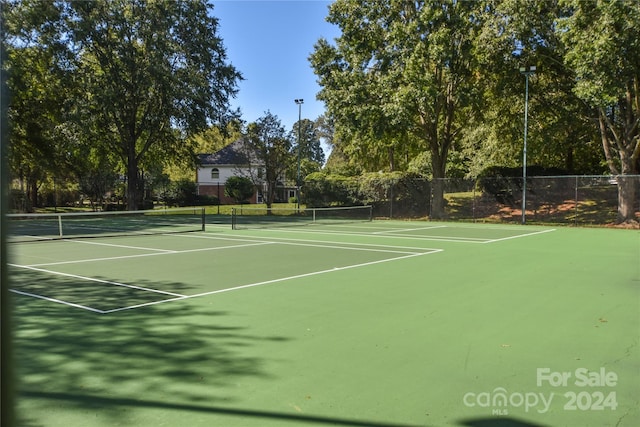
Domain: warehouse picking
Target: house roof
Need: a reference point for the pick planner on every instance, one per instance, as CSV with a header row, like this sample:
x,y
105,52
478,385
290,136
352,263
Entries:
x,y
236,153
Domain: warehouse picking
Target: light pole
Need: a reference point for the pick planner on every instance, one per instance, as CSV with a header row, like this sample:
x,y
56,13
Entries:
x,y
526,71
299,102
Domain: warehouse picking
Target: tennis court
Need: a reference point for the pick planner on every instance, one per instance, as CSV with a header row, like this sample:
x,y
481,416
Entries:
x,y
353,323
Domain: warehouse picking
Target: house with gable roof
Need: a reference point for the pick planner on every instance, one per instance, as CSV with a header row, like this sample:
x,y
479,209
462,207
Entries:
x,y
233,160
236,159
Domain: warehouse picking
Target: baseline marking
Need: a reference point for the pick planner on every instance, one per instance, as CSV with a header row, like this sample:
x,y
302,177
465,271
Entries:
x,y
59,301
267,282
319,245
387,236
145,255
93,279
400,230
119,246
341,245
177,297
521,235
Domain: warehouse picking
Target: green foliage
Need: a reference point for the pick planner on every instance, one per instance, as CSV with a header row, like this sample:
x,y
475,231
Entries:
x,y
214,138
398,193
501,182
239,188
182,193
520,33
96,184
430,88
408,193
322,190
138,76
310,147
603,48
267,141
399,78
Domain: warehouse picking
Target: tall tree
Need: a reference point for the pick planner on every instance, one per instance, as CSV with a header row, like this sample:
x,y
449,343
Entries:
x,y
603,42
310,147
266,138
40,150
150,73
307,150
155,72
518,33
337,162
401,68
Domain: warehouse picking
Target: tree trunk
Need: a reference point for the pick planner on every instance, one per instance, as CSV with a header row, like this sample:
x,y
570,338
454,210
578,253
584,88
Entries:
x,y
438,166
629,152
33,192
626,197
437,198
132,181
269,195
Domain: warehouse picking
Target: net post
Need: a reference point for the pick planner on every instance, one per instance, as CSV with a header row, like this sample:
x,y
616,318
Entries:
x,y
233,218
203,219
60,226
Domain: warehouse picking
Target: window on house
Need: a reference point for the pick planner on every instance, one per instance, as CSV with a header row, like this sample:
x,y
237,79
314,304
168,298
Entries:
x,y
215,173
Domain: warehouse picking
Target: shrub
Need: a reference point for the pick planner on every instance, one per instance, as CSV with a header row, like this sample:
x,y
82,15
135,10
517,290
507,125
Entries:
x,y
239,188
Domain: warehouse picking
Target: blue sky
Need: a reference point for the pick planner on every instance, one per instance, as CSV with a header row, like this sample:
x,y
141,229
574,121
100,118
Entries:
x,y
269,42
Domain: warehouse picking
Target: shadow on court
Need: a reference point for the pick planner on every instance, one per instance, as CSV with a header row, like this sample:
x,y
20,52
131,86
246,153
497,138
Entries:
x,y
184,355
99,401
498,422
95,293
180,362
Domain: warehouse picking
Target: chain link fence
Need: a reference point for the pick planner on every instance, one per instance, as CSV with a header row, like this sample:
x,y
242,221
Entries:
x,y
575,200
578,200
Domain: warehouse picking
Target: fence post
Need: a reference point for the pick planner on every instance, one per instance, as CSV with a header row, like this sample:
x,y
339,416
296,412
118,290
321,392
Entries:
x,y
391,200
575,219
473,207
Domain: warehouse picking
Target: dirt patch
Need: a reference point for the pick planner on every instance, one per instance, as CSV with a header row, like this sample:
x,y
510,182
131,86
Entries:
x,y
629,225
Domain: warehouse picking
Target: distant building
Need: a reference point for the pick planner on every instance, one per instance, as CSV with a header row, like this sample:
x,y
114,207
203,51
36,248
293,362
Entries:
x,y
236,159
233,160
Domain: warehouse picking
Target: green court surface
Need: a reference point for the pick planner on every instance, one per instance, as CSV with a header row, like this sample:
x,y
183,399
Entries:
x,y
383,323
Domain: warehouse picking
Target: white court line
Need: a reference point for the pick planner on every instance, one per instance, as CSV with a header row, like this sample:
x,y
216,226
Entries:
x,y
211,237
80,261
59,301
119,246
348,245
268,282
345,245
319,245
285,241
401,236
400,230
521,235
92,279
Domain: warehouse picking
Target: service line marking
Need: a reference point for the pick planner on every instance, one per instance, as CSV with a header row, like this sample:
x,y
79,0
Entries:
x,y
259,243
93,279
268,282
521,235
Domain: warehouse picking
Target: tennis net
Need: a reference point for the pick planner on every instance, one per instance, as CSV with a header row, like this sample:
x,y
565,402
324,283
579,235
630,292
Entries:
x,y
254,217
53,226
